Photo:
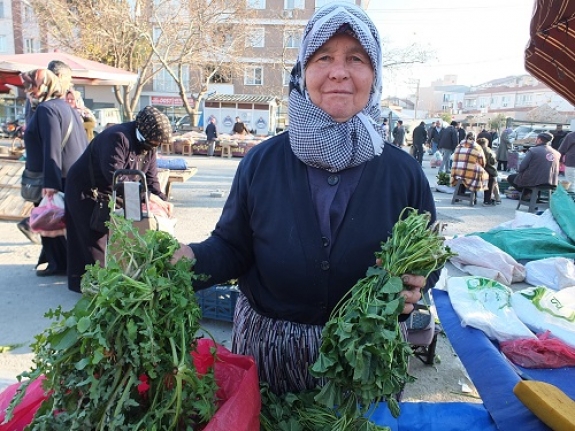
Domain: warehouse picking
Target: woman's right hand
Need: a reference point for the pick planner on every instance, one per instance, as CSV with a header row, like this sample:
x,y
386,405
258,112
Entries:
x,y
184,251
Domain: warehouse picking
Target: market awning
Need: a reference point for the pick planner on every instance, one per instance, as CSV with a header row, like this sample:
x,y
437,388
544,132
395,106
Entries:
x,y
83,71
550,55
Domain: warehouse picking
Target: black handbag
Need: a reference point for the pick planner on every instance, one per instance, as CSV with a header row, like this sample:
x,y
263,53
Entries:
x,y
100,214
32,185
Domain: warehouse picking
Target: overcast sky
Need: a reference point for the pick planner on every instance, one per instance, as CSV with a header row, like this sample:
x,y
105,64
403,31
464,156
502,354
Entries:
x,y
477,40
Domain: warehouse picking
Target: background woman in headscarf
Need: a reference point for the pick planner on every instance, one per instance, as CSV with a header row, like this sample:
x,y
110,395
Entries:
x,y
54,140
74,99
129,145
308,208
505,146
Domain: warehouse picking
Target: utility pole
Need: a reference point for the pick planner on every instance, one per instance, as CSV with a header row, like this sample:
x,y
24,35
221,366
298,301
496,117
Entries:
x,y
416,100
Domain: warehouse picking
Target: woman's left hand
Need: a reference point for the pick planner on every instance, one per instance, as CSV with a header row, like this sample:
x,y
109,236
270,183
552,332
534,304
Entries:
x,y
412,292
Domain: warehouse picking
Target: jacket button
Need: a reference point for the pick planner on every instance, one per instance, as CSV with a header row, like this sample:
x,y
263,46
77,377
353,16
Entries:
x,y
324,241
332,180
325,265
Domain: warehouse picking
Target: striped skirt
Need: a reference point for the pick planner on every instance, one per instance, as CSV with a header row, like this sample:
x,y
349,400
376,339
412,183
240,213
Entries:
x,y
283,350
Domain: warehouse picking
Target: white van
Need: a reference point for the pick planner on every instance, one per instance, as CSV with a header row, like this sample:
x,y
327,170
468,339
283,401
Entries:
x,y
105,117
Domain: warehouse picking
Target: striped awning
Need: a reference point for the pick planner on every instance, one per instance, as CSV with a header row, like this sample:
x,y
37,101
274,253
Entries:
x,y
550,55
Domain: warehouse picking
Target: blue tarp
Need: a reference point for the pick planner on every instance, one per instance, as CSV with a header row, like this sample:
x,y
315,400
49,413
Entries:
x,y
492,375
422,416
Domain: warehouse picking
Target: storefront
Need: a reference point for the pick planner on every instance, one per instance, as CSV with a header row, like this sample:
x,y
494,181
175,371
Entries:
x,y
258,113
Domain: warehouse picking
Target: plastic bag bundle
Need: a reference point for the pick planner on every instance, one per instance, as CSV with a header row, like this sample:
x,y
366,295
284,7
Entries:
x,y
555,273
543,352
48,217
543,309
478,257
485,304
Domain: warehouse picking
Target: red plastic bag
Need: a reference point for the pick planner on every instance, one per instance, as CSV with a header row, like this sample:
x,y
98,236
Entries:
x,y
239,388
49,215
236,376
541,352
24,412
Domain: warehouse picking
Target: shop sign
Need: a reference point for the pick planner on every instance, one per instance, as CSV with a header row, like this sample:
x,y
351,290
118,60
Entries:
x,y
171,101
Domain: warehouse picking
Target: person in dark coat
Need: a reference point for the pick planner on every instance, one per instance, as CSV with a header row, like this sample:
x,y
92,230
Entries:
x,y
211,136
308,207
129,145
419,138
434,132
485,135
54,140
462,134
448,141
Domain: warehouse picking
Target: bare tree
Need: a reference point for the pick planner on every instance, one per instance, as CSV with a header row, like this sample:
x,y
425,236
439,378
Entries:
x,y
107,31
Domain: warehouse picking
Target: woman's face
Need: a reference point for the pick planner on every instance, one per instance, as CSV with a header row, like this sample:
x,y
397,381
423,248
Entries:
x,y
339,77
71,100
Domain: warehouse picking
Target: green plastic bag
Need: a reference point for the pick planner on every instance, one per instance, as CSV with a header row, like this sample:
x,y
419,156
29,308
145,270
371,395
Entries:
x,y
563,208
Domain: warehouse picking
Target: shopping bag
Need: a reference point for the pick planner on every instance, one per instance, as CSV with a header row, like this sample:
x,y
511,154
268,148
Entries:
x,y
49,215
26,409
239,390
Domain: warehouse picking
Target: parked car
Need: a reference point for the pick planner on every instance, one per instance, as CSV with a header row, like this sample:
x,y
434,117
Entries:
x,y
522,132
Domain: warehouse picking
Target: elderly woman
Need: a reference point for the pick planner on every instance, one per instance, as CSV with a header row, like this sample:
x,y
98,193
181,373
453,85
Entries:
x,y
129,145
54,140
308,208
469,165
74,99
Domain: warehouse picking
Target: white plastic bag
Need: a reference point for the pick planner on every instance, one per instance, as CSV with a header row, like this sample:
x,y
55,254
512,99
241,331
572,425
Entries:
x,y
438,156
555,273
485,304
543,309
481,258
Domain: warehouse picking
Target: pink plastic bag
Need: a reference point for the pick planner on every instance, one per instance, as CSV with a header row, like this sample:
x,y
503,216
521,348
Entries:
x,y
49,215
541,352
239,391
26,410
236,375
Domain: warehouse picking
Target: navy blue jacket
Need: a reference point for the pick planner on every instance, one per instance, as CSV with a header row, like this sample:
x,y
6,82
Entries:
x,y
269,237
211,133
43,139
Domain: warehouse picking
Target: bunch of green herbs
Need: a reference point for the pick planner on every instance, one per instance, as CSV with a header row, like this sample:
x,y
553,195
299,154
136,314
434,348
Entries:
x,y
120,359
363,356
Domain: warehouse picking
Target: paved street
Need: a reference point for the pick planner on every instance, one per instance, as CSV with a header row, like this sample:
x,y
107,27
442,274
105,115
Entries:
x,y
25,298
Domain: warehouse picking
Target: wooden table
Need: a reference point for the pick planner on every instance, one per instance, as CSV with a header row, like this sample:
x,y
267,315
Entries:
x,y
12,206
169,176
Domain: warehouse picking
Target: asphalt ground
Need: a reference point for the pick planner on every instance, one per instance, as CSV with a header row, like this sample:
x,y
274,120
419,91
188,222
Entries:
x,y
25,298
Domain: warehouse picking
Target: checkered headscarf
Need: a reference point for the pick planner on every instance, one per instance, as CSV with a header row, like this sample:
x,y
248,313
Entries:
x,y
315,138
153,125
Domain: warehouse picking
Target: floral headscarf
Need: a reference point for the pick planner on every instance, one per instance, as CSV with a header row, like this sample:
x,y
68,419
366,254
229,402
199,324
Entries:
x,y
153,125
315,138
41,85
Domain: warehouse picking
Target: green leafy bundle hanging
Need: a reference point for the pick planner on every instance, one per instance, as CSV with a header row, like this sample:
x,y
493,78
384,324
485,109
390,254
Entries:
x,y
120,359
363,356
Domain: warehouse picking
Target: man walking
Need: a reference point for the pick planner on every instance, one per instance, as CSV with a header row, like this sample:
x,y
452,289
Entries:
x,y
419,138
399,134
434,132
448,141
211,136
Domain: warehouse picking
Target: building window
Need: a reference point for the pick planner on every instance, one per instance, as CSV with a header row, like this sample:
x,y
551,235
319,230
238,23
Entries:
x,y
292,39
2,9
2,43
294,4
165,83
255,38
257,4
253,76
30,46
320,3
28,14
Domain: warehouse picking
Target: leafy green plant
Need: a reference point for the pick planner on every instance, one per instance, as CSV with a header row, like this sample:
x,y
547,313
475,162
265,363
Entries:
x,y
363,355
120,359
443,179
